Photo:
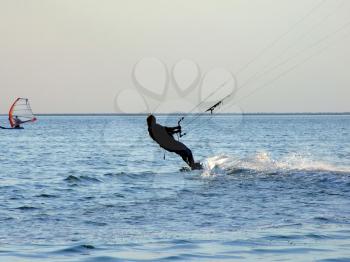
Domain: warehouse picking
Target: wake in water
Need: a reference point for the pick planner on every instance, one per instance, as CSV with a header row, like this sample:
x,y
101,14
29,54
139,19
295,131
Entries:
x,y
263,163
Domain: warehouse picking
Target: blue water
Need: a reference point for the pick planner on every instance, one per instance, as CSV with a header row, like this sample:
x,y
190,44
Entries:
x,y
88,188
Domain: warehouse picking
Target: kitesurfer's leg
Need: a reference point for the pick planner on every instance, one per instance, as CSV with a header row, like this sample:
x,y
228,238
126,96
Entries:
x,y
185,153
190,160
187,156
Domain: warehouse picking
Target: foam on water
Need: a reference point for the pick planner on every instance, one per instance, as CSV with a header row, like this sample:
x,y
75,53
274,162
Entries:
x,y
262,162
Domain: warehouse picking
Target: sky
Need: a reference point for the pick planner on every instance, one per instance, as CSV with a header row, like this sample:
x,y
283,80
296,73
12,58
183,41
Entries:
x,y
111,56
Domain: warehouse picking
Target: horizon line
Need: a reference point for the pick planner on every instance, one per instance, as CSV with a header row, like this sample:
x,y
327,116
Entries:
x,y
177,114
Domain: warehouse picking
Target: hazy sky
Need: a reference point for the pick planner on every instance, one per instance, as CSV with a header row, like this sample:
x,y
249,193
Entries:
x,y
75,56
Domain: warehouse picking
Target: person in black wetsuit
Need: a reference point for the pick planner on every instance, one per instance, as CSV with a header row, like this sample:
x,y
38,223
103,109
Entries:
x,y
163,135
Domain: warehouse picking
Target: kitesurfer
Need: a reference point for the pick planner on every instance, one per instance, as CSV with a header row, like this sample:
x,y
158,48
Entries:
x,y
163,135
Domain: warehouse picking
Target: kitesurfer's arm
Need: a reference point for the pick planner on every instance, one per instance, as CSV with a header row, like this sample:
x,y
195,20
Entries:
x,y
173,130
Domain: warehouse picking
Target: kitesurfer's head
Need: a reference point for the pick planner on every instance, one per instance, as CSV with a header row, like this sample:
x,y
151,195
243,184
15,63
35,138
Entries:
x,y
151,120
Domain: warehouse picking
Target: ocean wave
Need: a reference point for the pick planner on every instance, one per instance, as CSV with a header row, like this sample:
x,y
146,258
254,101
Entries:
x,y
27,208
80,249
83,178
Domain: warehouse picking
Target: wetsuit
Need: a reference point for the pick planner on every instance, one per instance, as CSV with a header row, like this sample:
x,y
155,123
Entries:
x,y
164,137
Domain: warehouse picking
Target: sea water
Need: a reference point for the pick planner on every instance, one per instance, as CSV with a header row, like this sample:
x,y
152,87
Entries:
x,y
97,188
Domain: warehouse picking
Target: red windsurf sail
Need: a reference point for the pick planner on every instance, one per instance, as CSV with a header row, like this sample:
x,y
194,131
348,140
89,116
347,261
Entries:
x,y
21,110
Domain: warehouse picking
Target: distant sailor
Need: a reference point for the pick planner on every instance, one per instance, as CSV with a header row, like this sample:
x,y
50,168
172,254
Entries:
x,y
18,122
20,113
163,135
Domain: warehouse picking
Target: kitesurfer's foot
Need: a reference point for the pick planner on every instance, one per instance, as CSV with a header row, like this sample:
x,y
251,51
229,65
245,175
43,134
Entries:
x,y
196,166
